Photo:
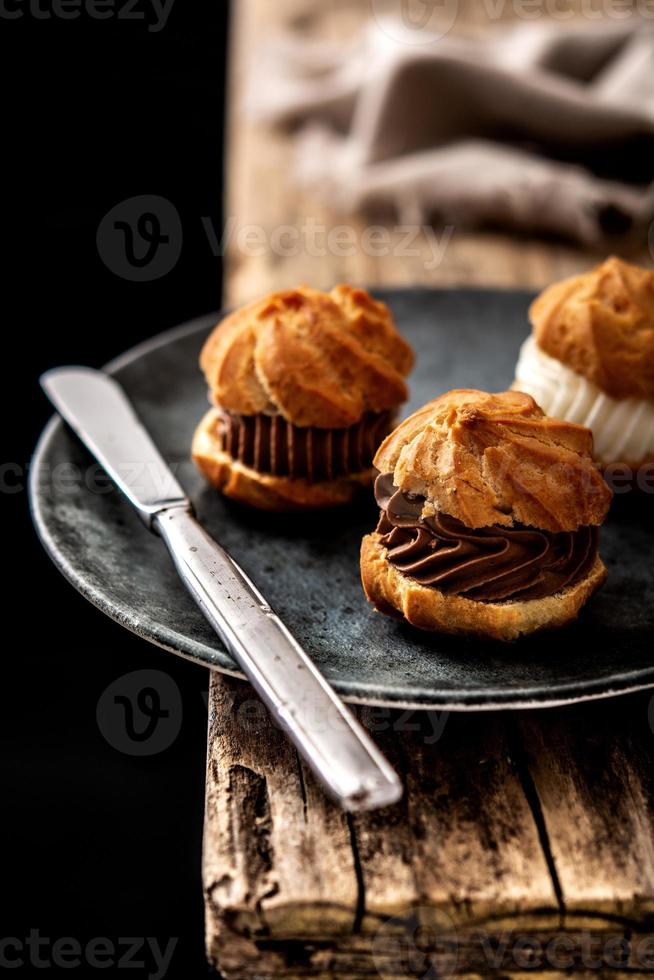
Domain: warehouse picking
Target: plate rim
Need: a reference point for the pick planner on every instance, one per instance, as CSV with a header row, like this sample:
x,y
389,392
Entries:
x,y
568,693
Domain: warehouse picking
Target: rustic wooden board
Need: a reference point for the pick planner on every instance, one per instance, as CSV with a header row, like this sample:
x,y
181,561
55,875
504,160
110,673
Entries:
x,y
513,830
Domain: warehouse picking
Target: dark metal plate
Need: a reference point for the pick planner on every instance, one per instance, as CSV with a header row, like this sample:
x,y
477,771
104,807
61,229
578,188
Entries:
x,y
308,566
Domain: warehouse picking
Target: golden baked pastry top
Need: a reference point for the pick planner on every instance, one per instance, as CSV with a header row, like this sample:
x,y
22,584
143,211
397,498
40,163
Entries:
x,y
318,359
497,459
601,324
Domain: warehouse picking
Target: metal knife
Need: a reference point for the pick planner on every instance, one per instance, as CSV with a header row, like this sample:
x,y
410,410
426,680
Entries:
x,y
324,732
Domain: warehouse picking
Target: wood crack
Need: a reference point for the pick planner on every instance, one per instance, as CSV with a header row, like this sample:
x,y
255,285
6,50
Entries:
x,y
360,909
303,786
533,800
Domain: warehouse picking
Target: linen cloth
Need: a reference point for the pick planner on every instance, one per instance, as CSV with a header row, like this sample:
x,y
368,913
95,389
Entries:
x,y
541,127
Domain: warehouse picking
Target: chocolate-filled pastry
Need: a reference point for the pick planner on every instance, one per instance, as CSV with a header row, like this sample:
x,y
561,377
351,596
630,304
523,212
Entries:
x,y
590,359
489,518
305,385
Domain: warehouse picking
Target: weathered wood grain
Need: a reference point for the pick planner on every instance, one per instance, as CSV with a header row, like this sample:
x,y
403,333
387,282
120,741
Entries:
x,y
522,842
466,836
592,771
289,849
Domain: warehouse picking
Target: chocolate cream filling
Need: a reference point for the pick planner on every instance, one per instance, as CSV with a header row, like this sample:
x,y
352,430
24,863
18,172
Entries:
x,y
488,564
270,444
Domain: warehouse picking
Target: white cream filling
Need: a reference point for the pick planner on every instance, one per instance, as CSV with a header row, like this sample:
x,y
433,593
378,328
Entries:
x,y
623,429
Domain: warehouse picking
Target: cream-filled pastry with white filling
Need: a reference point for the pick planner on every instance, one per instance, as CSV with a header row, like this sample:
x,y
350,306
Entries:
x,y
590,359
623,428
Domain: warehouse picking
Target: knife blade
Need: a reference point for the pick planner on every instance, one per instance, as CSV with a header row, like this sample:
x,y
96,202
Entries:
x,y
325,733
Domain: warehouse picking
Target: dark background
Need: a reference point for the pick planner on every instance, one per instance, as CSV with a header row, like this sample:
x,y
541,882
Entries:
x,y
96,842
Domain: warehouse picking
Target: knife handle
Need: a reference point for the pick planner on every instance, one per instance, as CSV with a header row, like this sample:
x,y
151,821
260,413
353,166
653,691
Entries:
x,y
324,732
